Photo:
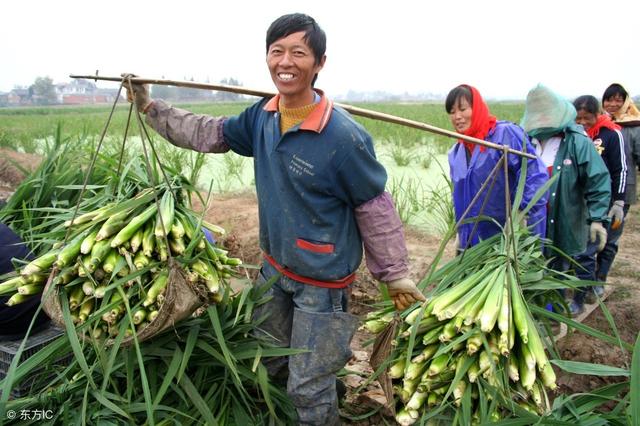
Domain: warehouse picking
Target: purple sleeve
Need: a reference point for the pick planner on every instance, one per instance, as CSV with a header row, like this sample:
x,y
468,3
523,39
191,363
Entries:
x,y
383,238
202,133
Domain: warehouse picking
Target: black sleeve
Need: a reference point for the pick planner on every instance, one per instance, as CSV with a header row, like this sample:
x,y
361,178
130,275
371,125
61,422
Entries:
x,y
11,246
614,157
15,320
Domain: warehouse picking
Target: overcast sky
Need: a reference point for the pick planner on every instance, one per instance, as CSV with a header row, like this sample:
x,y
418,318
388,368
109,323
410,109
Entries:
x,y
504,48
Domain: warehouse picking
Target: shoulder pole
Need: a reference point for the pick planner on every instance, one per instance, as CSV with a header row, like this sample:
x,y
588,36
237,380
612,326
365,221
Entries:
x,y
361,112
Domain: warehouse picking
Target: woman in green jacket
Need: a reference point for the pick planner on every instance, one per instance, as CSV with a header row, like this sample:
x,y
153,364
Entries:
x,y
579,197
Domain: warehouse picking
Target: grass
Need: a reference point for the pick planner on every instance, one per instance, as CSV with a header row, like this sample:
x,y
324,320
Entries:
x,y
400,155
414,159
409,196
19,127
429,152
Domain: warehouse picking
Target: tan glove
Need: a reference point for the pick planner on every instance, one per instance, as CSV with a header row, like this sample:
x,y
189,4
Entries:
x,y
140,95
616,213
403,293
598,233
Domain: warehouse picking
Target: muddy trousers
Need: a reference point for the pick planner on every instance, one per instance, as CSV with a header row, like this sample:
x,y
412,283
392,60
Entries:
x,y
595,266
312,318
606,256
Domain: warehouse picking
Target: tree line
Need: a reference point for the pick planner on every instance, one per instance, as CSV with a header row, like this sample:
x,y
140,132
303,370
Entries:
x,y
172,93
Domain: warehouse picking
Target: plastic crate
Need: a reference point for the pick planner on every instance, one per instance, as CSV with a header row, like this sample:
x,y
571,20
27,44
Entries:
x,y
35,342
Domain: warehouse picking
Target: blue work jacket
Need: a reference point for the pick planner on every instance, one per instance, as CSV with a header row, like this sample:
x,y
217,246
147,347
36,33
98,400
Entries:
x,y
309,180
468,175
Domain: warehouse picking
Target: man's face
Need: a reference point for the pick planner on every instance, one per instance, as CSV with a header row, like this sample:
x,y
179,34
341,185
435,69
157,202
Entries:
x,y
292,66
613,104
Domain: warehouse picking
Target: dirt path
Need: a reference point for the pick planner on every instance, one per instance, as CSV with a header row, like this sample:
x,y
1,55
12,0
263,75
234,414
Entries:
x,y
12,166
622,304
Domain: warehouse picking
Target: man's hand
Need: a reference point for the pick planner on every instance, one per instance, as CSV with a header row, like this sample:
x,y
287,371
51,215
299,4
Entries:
x,y
140,95
598,233
616,213
404,292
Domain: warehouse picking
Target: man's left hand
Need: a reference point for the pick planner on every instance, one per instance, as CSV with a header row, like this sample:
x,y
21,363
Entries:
x,y
404,293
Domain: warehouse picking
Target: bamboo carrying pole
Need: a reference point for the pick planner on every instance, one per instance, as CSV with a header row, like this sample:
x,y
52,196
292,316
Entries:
x,y
351,109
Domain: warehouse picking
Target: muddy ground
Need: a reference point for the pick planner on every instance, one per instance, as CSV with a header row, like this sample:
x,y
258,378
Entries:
x,y
237,213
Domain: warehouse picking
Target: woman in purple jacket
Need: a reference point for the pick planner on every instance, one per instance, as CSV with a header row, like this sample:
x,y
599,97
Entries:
x,y
472,164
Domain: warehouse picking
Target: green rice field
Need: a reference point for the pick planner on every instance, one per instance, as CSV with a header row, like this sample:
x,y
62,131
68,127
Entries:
x,y
415,160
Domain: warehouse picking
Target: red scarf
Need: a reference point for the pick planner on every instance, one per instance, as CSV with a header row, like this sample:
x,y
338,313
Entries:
x,y
603,121
481,121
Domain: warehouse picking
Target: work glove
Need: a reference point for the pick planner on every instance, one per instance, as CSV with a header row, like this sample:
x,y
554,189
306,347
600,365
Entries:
x,y
140,95
598,233
403,293
616,213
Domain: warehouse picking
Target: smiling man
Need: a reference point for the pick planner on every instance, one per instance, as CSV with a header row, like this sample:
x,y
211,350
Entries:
x,y
321,201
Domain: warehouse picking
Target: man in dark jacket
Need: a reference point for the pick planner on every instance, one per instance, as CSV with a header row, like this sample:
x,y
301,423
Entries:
x,y
15,320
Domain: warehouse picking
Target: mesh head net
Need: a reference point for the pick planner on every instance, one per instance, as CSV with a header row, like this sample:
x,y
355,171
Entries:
x,y
546,111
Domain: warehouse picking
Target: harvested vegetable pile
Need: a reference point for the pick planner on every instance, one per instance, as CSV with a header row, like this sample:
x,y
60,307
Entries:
x,y
110,266
206,370
474,347
120,251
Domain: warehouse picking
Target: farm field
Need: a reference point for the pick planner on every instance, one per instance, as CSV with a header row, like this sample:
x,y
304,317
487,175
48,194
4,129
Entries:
x,y
416,164
415,160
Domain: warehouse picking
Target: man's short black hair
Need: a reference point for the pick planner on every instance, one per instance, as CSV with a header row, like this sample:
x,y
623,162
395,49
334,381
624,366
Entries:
x,y
314,36
613,90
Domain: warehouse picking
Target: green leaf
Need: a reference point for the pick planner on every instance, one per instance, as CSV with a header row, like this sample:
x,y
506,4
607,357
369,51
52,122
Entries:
x,y
263,382
228,356
110,405
192,339
169,375
578,326
576,367
198,401
634,407
73,340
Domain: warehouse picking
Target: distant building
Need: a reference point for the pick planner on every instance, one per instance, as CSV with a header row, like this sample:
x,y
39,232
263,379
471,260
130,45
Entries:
x,y
19,97
81,92
76,92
